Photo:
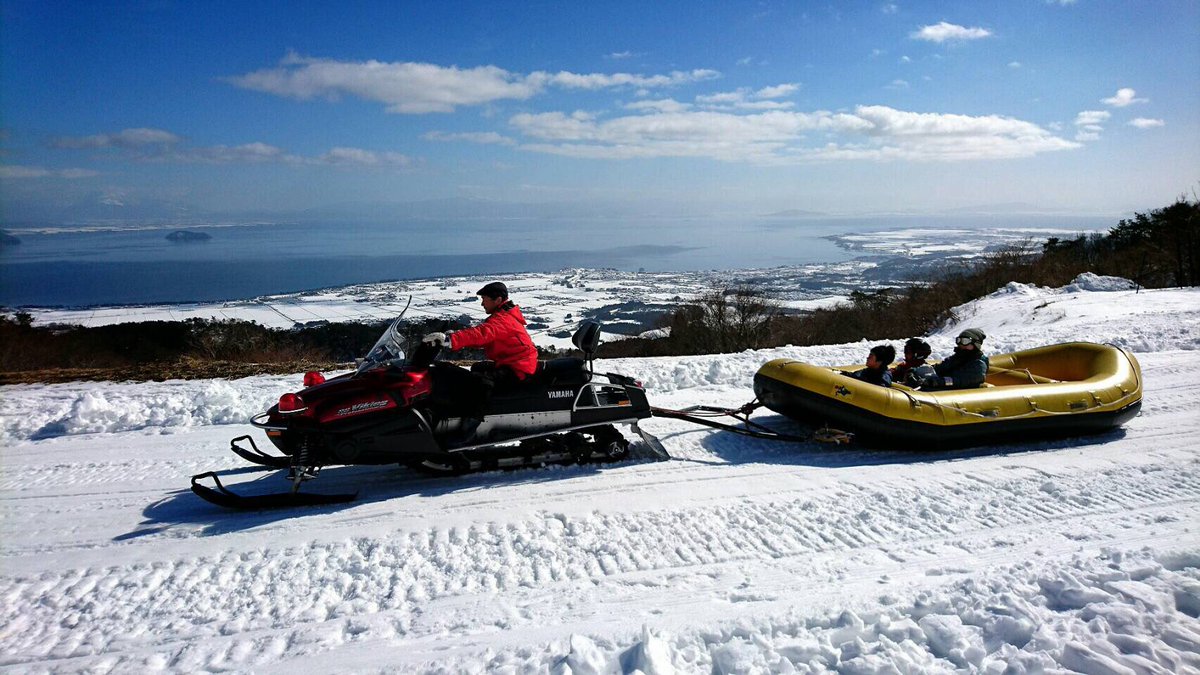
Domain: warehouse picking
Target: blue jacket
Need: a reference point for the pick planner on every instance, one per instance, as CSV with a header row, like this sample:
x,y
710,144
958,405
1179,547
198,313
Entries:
x,y
879,376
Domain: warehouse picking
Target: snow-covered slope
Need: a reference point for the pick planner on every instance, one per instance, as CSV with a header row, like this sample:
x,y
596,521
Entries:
x,y
739,555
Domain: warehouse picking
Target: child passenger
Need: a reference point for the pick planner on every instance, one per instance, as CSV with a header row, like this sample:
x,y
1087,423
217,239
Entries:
x,y
878,360
916,351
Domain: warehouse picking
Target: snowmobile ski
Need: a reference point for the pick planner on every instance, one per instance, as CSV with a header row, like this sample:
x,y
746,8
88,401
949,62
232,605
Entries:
x,y
223,496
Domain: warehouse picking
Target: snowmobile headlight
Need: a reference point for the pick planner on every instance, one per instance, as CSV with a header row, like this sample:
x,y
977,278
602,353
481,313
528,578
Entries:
x,y
312,378
290,404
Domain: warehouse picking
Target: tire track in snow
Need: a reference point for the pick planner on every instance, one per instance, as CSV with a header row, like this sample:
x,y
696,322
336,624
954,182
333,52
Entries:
x,y
77,612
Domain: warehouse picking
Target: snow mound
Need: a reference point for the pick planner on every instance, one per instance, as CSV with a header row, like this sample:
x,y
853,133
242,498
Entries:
x,y
1098,284
1019,316
48,411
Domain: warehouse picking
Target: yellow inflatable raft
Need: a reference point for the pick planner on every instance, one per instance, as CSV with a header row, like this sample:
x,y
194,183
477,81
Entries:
x,y
1061,390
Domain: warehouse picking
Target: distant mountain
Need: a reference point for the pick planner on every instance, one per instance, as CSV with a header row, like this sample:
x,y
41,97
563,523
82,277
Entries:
x,y
102,206
794,213
476,209
1006,208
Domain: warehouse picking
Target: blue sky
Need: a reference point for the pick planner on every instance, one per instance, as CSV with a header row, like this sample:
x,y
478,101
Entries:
x,y
721,107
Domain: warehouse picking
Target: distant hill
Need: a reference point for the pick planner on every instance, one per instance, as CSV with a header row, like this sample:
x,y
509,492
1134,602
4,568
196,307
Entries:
x,y
468,208
103,207
794,213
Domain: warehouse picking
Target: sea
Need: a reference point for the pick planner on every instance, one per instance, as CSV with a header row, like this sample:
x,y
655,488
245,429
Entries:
x,y
119,265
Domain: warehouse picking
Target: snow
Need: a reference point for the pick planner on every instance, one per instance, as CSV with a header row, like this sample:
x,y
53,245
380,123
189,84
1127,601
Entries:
x,y
558,300
737,556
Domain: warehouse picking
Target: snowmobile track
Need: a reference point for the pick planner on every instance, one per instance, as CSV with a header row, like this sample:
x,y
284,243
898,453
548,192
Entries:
x,y
405,571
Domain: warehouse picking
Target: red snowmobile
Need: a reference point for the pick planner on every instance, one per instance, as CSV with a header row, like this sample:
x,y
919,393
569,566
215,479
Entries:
x,y
395,410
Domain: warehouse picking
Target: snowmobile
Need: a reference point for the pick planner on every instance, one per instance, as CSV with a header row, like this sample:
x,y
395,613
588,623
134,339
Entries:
x,y
388,411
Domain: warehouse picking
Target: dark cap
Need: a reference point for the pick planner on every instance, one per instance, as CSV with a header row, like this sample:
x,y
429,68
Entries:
x,y
918,347
494,290
975,335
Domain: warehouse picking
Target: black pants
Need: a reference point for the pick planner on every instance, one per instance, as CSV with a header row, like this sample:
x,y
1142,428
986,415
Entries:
x,y
466,393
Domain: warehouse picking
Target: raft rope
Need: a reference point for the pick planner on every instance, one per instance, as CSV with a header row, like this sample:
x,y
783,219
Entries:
x,y
1035,409
706,414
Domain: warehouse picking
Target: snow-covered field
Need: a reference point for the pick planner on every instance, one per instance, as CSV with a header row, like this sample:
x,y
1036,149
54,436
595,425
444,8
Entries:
x,y
624,301
737,556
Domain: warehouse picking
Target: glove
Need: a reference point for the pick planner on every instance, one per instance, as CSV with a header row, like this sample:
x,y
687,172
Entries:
x,y
933,382
437,339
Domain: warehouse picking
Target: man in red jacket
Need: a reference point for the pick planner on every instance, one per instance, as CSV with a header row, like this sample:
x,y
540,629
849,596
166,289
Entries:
x,y
502,335
506,344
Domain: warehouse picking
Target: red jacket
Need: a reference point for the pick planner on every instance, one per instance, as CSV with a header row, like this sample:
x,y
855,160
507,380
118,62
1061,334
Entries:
x,y
504,340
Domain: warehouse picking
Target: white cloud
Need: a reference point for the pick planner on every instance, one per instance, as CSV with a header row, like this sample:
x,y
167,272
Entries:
x,y
248,153
723,98
1145,123
1124,96
367,158
616,56
665,105
889,8
481,137
78,173
874,133
745,99
1092,117
608,80
897,84
155,145
778,91
1014,64
1089,124
17,171
905,59
417,88
765,105
948,32
126,139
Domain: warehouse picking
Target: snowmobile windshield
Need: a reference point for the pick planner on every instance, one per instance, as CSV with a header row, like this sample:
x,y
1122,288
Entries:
x,y
388,350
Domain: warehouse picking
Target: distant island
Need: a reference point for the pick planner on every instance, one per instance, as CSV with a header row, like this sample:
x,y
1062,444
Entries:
x,y
185,236
7,239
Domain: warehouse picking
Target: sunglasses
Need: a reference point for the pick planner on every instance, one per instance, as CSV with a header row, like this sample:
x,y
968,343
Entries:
x,y
964,341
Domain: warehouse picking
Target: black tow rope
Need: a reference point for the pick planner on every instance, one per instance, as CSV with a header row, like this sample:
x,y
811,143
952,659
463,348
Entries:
x,y
705,414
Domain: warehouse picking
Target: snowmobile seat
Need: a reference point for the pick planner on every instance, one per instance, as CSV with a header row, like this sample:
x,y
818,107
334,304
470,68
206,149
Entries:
x,y
568,370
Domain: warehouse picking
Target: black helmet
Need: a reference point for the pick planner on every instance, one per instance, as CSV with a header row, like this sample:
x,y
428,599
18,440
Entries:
x,y
918,347
494,290
972,336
